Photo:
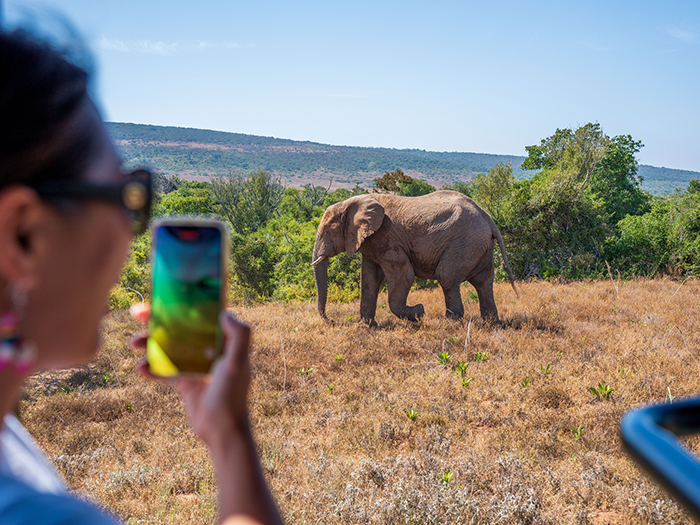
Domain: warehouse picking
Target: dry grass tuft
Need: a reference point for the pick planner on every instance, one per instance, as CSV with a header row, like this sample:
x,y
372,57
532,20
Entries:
x,y
516,437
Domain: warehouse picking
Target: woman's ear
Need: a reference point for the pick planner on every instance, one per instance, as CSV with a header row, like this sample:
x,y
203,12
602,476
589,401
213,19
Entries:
x,y
364,217
21,213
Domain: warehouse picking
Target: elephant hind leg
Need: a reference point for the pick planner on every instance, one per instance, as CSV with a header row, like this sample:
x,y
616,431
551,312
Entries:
x,y
454,309
483,282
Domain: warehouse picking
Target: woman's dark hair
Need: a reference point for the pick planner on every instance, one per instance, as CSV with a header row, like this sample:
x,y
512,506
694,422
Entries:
x,y
41,93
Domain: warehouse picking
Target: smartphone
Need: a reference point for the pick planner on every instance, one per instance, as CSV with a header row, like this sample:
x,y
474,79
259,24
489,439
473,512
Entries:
x,y
188,266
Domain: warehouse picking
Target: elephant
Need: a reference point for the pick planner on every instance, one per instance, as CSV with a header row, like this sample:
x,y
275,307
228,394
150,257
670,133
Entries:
x,y
444,235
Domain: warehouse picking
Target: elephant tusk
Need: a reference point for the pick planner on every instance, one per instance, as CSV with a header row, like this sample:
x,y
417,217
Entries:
x,y
318,261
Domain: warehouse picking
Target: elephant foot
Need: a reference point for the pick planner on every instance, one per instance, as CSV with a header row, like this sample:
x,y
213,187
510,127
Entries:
x,y
415,313
489,321
455,316
371,323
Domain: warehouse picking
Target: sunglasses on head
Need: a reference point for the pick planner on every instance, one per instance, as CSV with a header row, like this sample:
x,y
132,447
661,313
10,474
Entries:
x,y
135,195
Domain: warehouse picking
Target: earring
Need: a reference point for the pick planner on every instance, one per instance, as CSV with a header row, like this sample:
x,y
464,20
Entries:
x,y
14,349
8,338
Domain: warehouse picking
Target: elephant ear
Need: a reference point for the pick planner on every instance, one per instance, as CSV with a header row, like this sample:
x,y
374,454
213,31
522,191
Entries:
x,y
365,216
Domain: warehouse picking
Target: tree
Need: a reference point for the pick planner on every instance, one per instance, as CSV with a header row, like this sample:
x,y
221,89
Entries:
x,y
464,188
164,184
391,182
615,180
309,197
188,200
491,191
398,183
604,166
247,202
416,188
557,217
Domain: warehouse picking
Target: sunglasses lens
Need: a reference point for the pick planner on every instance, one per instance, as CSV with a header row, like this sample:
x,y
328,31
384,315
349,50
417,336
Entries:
x,y
137,197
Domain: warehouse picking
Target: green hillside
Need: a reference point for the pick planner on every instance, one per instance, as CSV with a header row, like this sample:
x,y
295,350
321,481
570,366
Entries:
x,y
197,152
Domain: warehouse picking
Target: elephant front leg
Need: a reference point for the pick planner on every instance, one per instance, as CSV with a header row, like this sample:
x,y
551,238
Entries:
x,y
399,284
371,279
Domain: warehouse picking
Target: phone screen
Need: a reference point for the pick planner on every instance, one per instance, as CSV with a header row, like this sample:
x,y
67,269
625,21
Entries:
x,y
187,268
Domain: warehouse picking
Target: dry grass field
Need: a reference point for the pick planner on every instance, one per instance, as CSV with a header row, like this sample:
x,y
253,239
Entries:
x,y
359,425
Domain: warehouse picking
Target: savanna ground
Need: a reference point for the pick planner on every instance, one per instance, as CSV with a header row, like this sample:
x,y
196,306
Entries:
x,y
518,437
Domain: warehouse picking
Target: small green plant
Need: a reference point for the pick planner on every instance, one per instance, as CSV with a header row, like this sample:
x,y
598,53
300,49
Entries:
x,y
451,339
461,368
382,306
330,388
525,382
576,431
466,381
603,391
625,372
614,309
546,370
304,371
471,297
445,477
339,358
443,358
430,377
66,389
351,318
411,414
129,407
481,356
105,378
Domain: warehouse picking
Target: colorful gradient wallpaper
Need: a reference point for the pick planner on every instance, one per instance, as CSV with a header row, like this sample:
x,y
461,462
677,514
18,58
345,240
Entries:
x,y
184,334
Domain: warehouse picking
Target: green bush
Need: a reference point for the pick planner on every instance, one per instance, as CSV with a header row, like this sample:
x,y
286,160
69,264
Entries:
x,y
561,222
642,246
119,299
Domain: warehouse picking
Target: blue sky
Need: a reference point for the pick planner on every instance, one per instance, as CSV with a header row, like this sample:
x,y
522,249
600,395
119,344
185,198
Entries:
x,y
489,77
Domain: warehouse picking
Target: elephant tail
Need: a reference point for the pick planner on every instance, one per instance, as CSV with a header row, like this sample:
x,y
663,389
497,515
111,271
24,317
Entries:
x,y
497,236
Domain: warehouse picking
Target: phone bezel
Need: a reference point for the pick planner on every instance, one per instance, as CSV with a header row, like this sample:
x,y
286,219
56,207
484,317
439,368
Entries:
x,y
223,299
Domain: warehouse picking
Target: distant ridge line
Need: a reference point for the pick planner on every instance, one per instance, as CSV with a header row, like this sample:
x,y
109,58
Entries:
x,y
199,153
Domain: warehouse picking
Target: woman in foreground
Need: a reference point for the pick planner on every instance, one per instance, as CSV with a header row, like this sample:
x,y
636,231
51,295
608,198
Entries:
x,y
67,215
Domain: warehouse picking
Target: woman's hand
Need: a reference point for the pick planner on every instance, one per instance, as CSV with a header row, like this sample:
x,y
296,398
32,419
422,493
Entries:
x,y
217,408
217,403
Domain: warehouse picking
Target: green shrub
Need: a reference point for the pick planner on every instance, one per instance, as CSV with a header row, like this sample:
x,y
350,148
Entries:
x,y
119,299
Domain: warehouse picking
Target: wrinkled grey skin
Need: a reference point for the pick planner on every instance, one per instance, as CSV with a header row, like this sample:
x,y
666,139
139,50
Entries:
x,y
443,235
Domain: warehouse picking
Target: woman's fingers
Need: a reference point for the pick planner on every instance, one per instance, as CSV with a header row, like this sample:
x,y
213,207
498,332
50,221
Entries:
x,y
144,370
230,372
236,338
139,341
141,311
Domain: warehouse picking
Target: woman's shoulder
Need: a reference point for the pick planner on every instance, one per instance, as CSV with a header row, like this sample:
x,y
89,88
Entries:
x,y
20,504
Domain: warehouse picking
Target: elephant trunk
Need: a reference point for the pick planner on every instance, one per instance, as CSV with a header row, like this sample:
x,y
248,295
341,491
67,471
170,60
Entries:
x,y
321,277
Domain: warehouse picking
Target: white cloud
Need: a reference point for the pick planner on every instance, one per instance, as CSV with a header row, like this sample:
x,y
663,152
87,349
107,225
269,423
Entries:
x,y
162,48
681,34
224,45
110,44
142,46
